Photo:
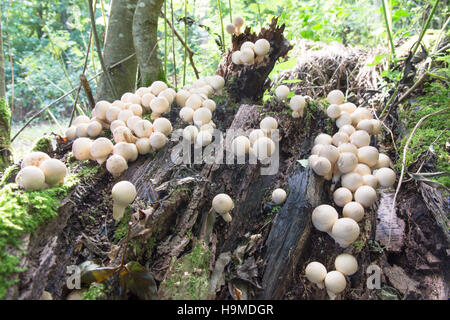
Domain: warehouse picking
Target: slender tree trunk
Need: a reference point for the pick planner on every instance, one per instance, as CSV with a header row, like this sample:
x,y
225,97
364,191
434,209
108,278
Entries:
x,y
5,115
145,36
119,45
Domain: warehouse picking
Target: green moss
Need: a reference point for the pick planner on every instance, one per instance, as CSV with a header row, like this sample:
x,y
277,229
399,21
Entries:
x,y
122,229
5,132
9,174
96,291
44,144
189,276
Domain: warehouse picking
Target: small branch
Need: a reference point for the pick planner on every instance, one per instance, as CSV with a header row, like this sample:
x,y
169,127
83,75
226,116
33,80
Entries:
x,y
87,90
411,90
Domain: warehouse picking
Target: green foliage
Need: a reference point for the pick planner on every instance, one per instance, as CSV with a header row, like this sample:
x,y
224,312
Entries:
x,y
96,291
43,144
122,229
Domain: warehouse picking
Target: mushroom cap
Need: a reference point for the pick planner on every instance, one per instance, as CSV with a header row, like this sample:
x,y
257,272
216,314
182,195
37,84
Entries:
x,y
124,97
240,146
370,180
124,115
348,107
94,129
255,134
187,114
359,114
366,196
217,82
383,161
248,45
54,171
334,111
348,147
112,113
131,122
366,125
127,150
34,159
118,103
279,196
353,210
143,128
115,124
346,264
147,100
368,155
321,166
81,130
236,57
345,231
315,272
81,119
360,138
297,103
194,101
347,162
247,56
376,124
264,148
101,148
330,152
362,169
71,133
116,164
208,127
136,109
169,94
133,99
157,87
312,159
262,47
386,177
343,120
222,203
181,97
123,134
190,133
162,125
323,138
268,124
335,282
238,21
142,91
342,196
324,217
158,140
100,109
204,138
282,92
144,146
210,104
335,97
348,129
230,28
159,105
339,138
316,149
124,192
202,116
81,148
31,178
351,181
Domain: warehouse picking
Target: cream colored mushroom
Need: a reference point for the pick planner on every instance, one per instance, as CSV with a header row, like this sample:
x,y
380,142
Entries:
x,y
143,128
81,148
282,92
351,181
330,152
157,87
333,111
142,91
348,147
144,146
159,105
116,165
238,23
147,100
94,129
348,129
230,28
345,231
162,125
386,177
181,97
383,161
125,96
346,264
247,56
335,283
370,180
323,138
322,166
127,150
136,109
158,140
376,124
100,109
217,82
194,101
223,205
353,210
117,123
335,97
360,138
101,148
123,134
204,138
368,155
255,134
324,217
71,133
279,196
297,104
31,178
54,170
134,99
202,116
262,47
343,120
347,162
342,196
81,130
316,273
359,114
112,113
236,57
132,121
362,169
264,148
240,146
190,133
34,159
124,115
187,114
366,196
339,138
348,107
118,103
81,119
268,124
169,94
123,193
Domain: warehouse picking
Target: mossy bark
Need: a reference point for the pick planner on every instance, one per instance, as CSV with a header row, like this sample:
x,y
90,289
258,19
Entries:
x,y
5,117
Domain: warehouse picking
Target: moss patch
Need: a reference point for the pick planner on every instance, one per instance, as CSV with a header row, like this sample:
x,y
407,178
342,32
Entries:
x,y
5,132
96,291
44,144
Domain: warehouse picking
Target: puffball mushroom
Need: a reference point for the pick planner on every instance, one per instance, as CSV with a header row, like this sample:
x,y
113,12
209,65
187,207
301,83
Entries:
x,y
81,130
386,177
144,146
123,194
124,115
343,120
71,133
203,138
324,217
345,231
248,45
54,171
143,128
339,138
383,161
210,104
223,205
279,196
94,129
187,114
132,121
217,82
353,210
238,23
342,196
158,140
282,92
359,114
181,97
362,169
335,97
255,134
162,125
146,100
370,180
142,91
360,138
115,124
190,133
333,111
231,29
112,113
100,109
123,134
348,147
264,148
157,87
236,57
316,273
262,47
202,116
136,109
124,97
366,196
169,94
268,124
127,150
348,129
101,148
334,283
159,105
376,124
351,181
348,107
323,138
247,56
347,162
297,104
81,119
116,165
368,155
322,166
330,152
194,101
31,178
346,264
81,148
240,146
34,159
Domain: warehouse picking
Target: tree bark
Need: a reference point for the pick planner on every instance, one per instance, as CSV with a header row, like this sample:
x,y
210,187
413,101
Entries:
x,y
119,45
145,36
5,115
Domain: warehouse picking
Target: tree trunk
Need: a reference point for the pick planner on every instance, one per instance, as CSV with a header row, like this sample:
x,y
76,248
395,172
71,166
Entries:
x,y
145,36
5,115
118,46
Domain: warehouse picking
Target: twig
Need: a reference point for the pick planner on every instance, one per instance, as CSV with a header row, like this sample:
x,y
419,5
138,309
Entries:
x,y
99,50
87,90
404,163
411,90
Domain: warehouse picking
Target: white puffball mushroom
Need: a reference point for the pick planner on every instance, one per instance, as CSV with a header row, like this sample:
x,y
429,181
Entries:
x,y
54,171
123,134
333,111
127,150
101,148
383,161
264,148
353,210
131,122
323,138
362,169
236,57
366,196
376,124
81,130
368,155
279,196
187,114
247,56
262,47
162,125
346,264
268,124
345,231
348,147
210,104
342,196
335,97
370,180
359,114
116,165
143,128
223,205
297,104
158,140
112,113
144,146
194,101
240,146
204,138
322,166
335,283
330,152
202,116
118,103
181,97
31,178
81,119
348,129
125,96
217,82
316,149
366,125
147,100
100,109
142,91
347,162
339,138
124,115
348,107
71,133
94,129
134,99
34,159
385,176
282,92
351,181
360,138
123,193
115,124
169,94
248,45
230,28
81,148
238,23
324,217
136,109
190,133
255,134
312,159
157,87
343,120
316,273
159,105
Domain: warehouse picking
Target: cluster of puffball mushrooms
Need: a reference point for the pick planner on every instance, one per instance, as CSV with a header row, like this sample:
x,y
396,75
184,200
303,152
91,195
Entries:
x,y
251,53
39,171
346,157
134,135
